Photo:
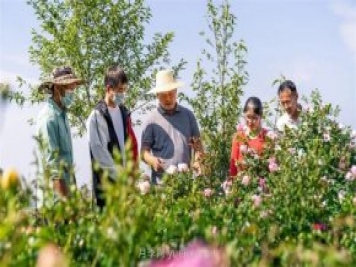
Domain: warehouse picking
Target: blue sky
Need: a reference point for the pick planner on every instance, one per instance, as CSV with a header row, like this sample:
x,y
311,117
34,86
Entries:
x,y
312,42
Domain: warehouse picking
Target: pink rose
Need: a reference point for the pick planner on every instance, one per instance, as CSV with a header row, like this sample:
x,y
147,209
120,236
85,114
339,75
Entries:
x,y
245,180
271,135
272,165
326,137
182,167
257,200
244,149
240,127
262,183
353,170
144,187
292,150
214,231
172,169
208,192
196,254
226,186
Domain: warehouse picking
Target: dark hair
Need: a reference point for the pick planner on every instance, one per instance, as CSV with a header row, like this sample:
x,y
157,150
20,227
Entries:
x,y
287,85
115,76
254,103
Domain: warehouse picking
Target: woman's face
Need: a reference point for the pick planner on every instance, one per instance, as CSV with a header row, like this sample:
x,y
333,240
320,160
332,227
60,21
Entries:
x,y
252,120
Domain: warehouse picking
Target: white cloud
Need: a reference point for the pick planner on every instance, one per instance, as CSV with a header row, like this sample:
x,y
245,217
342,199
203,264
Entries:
x,y
346,10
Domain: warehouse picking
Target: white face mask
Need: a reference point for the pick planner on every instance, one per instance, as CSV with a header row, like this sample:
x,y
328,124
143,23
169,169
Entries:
x,y
119,98
68,98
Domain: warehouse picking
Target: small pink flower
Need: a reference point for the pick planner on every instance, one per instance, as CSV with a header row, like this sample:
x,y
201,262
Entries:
x,y
144,187
183,167
243,148
272,135
273,166
208,192
246,180
226,186
319,227
214,230
292,150
349,176
353,170
326,137
265,213
240,127
172,169
262,183
257,200
309,108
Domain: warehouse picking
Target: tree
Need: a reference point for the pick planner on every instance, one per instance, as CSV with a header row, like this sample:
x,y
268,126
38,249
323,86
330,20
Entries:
x,y
216,102
91,35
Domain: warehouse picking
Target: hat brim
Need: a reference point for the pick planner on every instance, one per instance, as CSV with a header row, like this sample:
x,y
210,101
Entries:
x,y
166,88
45,86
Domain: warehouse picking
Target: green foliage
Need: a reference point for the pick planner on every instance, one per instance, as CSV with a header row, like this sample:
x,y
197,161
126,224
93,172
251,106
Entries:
x,y
216,102
90,36
4,91
302,214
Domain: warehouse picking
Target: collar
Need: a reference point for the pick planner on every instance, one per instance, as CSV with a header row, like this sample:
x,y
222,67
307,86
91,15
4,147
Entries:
x,y
53,105
165,112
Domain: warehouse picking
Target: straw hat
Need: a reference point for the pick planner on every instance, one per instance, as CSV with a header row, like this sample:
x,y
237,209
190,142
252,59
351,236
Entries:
x,y
165,82
61,76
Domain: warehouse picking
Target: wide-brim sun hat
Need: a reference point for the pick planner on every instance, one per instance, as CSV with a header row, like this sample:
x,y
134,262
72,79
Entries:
x,y
61,76
165,82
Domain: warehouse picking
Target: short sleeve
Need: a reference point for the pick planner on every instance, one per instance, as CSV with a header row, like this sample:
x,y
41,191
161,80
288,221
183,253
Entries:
x,y
194,125
147,137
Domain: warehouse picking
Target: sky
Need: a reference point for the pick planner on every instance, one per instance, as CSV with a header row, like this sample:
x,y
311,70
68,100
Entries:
x,y
312,42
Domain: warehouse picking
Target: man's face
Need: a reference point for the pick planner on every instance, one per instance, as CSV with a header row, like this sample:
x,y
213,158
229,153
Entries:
x,y
120,88
289,101
168,100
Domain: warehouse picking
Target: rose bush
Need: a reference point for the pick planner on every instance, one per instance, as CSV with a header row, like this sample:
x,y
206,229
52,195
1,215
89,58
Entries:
x,y
294,205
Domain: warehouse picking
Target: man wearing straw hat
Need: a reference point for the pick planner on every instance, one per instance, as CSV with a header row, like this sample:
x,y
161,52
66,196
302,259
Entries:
x,y
170,132
53,129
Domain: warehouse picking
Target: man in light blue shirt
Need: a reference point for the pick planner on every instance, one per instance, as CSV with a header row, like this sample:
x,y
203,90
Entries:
x,y
53,130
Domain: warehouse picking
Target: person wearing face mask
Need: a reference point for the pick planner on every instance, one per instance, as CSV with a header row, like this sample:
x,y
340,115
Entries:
x,y
109,127
53,129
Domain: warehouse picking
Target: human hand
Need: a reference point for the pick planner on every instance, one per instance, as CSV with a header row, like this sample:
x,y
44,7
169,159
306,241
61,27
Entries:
x,y
157,164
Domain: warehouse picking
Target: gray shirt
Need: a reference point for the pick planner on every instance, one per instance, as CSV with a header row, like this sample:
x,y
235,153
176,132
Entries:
x,y
167,136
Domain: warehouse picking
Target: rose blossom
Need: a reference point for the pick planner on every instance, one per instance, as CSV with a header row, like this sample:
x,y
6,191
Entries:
x,y
257,200
172,169
183,167
245,180
208,192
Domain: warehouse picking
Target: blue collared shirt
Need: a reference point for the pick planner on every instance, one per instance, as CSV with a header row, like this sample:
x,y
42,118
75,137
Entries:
x,y
56,150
